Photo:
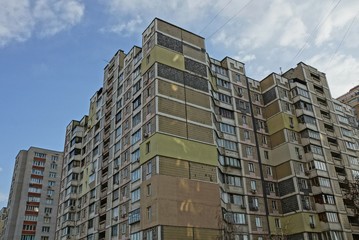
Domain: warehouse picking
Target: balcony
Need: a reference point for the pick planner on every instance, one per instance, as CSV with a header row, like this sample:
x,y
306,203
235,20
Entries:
x,y
325,207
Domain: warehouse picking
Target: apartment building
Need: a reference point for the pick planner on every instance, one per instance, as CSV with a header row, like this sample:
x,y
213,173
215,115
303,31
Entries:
x,y
179,145
351,98
33,197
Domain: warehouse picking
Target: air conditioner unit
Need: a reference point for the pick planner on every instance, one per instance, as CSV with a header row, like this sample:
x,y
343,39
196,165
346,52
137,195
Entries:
x,y
243,206
307,172
253,191
145,135
72,208
79,206
117,167
116,182
115,218
123,215
291,125
300,156
312,225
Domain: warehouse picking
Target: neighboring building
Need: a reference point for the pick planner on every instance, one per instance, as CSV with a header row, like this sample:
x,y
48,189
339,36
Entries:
x,y
178,145
352,99
3,215
33,197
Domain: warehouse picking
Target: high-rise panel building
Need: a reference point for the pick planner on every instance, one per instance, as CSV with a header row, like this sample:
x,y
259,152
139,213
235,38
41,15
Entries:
x,y
179,145
33,197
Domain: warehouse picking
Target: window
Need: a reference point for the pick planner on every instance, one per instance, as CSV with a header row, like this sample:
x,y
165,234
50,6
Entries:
x,y
230,180
353,160
246,135
229,161
36,180
266,155
40,155
258,222
244,119
149,213
149,189
343,119
235,199
135,155
39,163
53,166
119,104
332,217
134,216
229,145
239,218
350,145
226,113
274,205
137,102
136,119
223,83
115,212
253,185
118,116
148,147
226,128
136,236
48,210
306,120
250,167
50,192
45,229
314,149
135,195
249,151
346,132
271,187
318,165
224,98
114,231
149,168
219,70
136,136
136,175
277,223
323,182
52,175
118,132
117,146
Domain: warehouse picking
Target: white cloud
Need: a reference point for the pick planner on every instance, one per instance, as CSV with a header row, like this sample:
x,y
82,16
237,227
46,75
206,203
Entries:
x,y
20,19
337,21
126,28
246,57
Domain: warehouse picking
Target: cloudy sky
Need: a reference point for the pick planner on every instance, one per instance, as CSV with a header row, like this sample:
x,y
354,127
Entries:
x,y
52,52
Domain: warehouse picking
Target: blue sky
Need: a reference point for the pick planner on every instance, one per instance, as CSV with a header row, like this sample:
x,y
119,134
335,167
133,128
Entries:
x,y
52,52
